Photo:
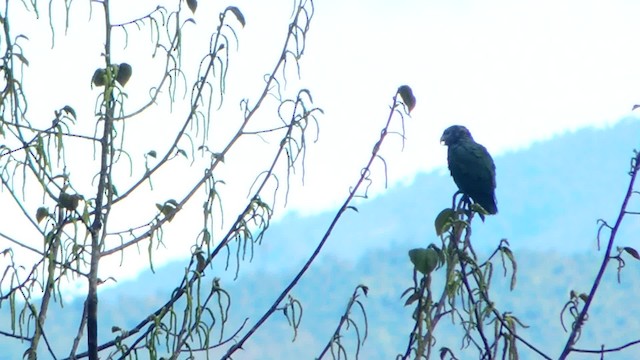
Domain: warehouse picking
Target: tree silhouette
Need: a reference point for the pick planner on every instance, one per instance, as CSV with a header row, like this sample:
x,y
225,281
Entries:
x,y
83,191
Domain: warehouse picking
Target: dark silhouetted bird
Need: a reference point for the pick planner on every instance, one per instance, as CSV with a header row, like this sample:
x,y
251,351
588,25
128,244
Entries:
x,y
471,167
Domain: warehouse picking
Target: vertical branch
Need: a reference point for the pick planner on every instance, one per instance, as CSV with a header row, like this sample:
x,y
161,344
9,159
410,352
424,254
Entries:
x,y
97,225
605,261
53,243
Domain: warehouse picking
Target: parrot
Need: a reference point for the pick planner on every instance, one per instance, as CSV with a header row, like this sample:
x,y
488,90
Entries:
x,y
471,167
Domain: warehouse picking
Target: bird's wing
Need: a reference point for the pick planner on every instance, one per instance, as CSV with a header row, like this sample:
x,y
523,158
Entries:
x,y
472,167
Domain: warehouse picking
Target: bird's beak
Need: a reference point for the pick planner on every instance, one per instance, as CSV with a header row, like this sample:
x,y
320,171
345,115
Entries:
x,y
443,140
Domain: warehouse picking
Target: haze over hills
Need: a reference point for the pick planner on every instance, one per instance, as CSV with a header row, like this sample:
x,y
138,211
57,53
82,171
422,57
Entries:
x,y
549,196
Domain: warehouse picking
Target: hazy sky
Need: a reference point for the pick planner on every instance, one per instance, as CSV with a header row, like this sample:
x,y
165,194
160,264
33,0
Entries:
x,y
513,72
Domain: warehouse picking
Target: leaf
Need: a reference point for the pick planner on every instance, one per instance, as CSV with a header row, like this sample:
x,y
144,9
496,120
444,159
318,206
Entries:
x,y
479,209
183,153
441,255
41,213
69,110
633,252
237,13
201,262
193,5
168,209
98,77
22,58
152,153
505,251
635,107
124,73
69,202
365,289
444,220
218,156
411,299
407,97
444,351
424,260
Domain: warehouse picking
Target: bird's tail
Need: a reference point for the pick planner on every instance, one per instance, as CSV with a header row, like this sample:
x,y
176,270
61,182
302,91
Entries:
x,y
488,203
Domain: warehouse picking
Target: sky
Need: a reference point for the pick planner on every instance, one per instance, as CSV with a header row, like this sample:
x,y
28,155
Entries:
x,y
513,72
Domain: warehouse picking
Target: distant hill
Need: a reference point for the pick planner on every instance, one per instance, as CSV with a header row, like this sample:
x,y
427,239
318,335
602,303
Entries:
x,y
544,282
550,196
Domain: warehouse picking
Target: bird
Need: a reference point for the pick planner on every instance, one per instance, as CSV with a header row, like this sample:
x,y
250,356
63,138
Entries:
x,y
471,167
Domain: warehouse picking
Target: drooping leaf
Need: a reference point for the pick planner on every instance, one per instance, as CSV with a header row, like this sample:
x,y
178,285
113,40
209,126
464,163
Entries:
x,y
633,252
365,289
237,13
69,110
201,263
152,153
41,213
22,58
218,156
98,78
407,97
424,260
168,209
439,252
193,5
124,73
411,299
69,201
444,220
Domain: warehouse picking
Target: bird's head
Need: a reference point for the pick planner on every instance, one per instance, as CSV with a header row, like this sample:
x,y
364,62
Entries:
x,y
455,133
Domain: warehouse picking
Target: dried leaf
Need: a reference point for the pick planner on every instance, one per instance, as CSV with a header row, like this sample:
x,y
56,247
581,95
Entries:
x,y
237,13
201,263
41,213
407,97
193,5
98,77
69,202
633,252
69,110
168,209
124,73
